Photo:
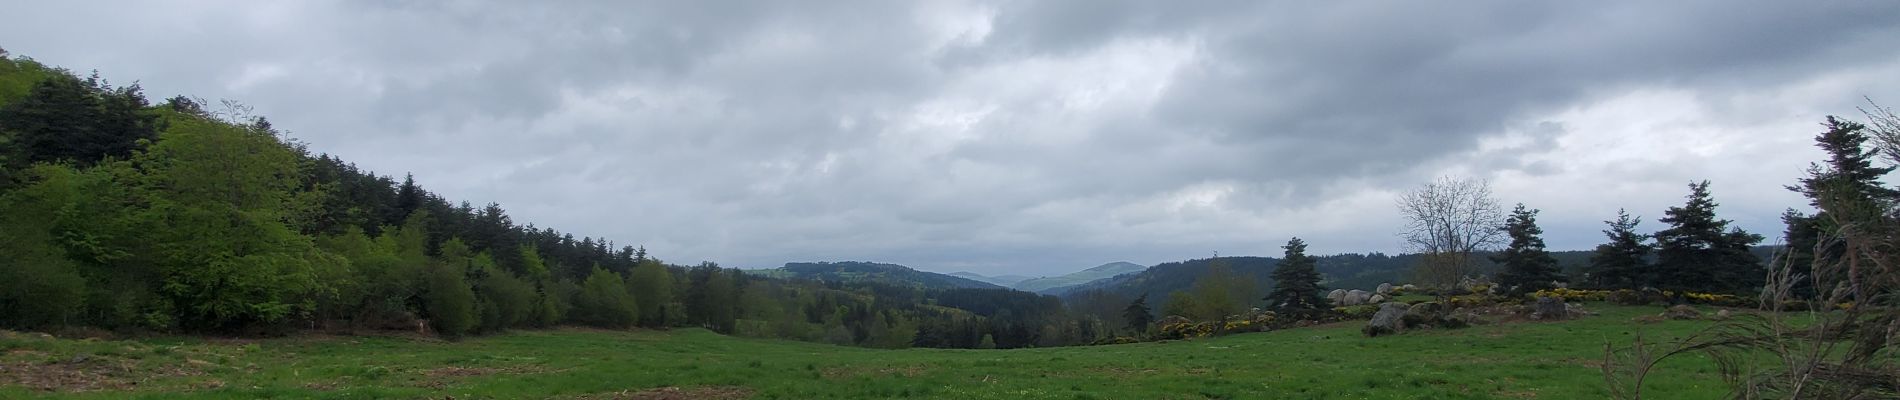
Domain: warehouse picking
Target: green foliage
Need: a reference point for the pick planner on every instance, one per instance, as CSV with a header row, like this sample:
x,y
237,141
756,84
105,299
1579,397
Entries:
x,y
506,300
1699,252
604,301
1220,293
66,119
1296,289
652,288
1527,266
448,301
1623,263
712,298
1137,315
1180,303
39,287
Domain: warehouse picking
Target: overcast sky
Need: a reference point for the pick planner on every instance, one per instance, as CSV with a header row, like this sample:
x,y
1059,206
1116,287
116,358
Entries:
x,y
1032,137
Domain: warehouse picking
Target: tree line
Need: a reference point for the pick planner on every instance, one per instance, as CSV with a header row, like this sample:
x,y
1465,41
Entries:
x,y
180,216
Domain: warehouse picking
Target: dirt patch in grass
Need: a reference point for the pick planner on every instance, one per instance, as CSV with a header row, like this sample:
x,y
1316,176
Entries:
x,y
676,393
85,374
439,378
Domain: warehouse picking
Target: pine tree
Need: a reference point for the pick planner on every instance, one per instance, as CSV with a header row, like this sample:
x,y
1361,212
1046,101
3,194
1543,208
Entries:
x,y
1849,163
1698,253
1527,267
1803,233
64,118
1296,289
1848,181
1137,314
1623,263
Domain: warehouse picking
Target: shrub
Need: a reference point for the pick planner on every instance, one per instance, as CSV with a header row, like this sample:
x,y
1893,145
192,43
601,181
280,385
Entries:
x,y
604,301
449,301
506,301
1573,295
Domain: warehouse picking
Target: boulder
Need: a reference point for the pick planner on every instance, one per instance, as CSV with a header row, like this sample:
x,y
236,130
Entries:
x,y
1461,318
1338,296
1409,287
1172,320
1426,311
1389,320
1384,288
1721,315
1357,297
1577,310
1550,308
1681,312
1376,299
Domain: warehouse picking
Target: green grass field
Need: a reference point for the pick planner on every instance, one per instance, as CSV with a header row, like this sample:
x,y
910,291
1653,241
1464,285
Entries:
x,y
1511,360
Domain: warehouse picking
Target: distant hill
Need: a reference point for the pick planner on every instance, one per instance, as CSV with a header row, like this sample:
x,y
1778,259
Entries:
x,y
1342,271
889,274
1058,284
1000,280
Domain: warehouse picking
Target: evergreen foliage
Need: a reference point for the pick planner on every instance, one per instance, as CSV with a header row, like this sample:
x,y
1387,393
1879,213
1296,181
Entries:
x,y
1137,315
1296,288
1527,267
1699,253
1623,263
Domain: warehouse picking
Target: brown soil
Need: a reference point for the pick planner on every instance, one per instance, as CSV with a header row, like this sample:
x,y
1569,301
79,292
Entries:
x,y
676,393
85,374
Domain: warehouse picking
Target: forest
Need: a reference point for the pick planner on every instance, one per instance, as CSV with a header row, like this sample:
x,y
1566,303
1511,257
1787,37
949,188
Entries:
x,y
183,216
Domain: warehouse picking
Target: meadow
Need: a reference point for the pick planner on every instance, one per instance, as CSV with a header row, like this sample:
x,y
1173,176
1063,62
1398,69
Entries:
x,y
1542,360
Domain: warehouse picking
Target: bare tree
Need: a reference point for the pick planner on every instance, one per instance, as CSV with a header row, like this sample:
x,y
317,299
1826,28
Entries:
x,y
1446,221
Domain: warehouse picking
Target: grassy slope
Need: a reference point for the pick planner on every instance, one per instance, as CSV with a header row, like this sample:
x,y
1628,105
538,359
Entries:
x,y
1523,360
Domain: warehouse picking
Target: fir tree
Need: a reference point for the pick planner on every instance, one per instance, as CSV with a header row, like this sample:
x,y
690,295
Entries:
x,y
1698,253
1623,263
1527,266
1296,289
1137,314
1848,181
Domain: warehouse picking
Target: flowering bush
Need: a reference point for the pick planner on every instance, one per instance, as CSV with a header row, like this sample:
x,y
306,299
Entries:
x,y
1570,295
1186,330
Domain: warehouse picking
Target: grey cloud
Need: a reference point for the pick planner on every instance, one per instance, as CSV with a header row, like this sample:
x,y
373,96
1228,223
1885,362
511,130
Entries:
x,y
755,133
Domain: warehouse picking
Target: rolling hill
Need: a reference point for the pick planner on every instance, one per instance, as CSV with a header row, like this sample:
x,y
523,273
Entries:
x,y
1057,284
999,280
889,274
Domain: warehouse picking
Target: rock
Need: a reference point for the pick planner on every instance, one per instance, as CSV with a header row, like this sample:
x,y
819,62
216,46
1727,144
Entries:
x,y
1357,297
1172,320
1461,318
1338,296
1681,312
1384,288
1389,320
1550,308
1423,314
1577,310
1427,311
1377,298
1409,287
1721,315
